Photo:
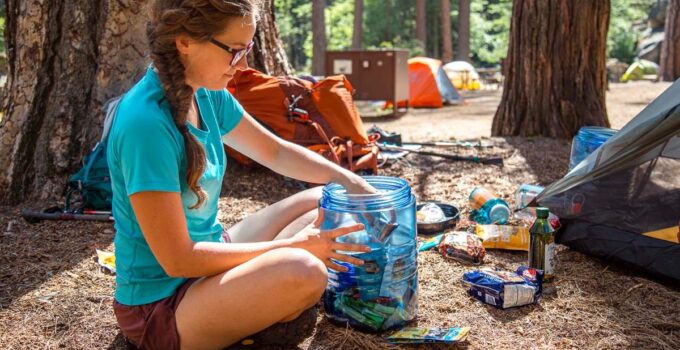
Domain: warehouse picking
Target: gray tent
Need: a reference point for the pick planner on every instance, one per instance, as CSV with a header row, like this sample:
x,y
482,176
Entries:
x,y
627,188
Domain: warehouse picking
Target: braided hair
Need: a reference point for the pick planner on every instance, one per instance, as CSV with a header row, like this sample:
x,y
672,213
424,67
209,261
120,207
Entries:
x,y
200,20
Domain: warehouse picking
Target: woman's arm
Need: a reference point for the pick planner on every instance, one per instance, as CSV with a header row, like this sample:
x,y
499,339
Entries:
x,y
161,218
289,159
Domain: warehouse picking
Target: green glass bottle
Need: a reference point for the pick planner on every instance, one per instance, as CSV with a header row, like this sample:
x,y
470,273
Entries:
x,y
542,245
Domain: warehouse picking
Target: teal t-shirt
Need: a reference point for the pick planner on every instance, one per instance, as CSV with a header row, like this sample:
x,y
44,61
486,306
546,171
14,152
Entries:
x,y
146,153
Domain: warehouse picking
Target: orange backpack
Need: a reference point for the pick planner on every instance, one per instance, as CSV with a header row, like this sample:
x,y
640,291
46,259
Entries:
x,y
320,116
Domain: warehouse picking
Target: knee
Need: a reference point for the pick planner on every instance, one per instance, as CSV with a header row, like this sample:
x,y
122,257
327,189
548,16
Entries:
x,y
312,195
303,271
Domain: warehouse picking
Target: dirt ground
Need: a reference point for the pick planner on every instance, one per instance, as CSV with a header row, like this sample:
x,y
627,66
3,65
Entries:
x,y
54,296
473,119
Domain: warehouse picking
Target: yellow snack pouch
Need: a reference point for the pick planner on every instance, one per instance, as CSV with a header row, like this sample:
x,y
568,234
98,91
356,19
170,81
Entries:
x,y
506,237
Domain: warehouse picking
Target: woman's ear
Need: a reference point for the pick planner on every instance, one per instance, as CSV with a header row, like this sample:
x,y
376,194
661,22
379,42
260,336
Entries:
x,y
183,42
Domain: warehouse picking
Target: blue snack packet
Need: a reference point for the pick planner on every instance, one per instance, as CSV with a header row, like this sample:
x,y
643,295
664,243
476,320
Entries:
x,y
505,289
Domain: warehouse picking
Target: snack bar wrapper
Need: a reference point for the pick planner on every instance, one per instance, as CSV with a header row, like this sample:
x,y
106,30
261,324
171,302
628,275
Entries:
x,y
505,289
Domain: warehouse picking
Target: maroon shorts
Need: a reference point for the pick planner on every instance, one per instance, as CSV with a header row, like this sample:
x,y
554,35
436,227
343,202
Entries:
x,y
153,325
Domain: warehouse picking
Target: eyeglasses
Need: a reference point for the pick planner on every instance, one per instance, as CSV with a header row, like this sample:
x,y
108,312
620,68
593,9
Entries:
x,y
237,55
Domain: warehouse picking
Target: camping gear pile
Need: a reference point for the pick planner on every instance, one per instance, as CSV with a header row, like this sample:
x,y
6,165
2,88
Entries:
x,y
622,202
318,115
88,191
392,147
501,289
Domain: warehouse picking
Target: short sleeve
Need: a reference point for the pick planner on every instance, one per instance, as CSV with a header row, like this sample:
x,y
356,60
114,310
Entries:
x,y
229,111
149,156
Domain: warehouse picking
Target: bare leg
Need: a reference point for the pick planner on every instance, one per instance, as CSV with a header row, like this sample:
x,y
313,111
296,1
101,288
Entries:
x,y
267,223
274,287
298,224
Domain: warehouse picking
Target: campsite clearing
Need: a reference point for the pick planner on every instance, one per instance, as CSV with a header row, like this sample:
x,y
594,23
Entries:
x,y
53,295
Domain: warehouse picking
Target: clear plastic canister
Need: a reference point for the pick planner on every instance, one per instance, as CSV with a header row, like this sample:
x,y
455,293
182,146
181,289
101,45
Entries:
x,y
382,293
587,140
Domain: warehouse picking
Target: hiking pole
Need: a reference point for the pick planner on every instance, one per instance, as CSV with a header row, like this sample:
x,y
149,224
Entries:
x,y
466,144
34,216
496,161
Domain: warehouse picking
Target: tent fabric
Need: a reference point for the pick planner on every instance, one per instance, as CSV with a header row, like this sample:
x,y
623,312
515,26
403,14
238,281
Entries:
x,y
626,188
462,75
639,69
428,85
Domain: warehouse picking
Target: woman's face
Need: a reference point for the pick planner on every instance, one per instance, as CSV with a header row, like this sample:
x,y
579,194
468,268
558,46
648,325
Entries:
x,y
209,66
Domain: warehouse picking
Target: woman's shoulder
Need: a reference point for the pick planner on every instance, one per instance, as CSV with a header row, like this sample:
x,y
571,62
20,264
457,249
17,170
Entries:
x,y
144,116
144,105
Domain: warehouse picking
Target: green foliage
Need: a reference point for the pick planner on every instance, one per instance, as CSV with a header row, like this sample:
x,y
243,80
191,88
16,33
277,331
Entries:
x,y
623,34
489,31
339,24
489,28
295,27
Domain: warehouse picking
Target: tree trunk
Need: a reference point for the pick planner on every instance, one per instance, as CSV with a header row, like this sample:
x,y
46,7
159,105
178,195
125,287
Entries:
x,y
670,49
268,54
447,47
358,24
388,23
421,24
555,69
463,53
318,37
65,59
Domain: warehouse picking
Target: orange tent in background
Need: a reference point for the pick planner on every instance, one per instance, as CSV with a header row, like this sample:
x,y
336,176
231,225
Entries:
x,y
428,84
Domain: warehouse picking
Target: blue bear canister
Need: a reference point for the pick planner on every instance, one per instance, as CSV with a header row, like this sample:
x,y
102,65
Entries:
x,y
382,293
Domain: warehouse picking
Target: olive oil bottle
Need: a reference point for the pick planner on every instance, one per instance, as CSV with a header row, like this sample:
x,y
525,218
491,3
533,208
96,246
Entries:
x,y
542,245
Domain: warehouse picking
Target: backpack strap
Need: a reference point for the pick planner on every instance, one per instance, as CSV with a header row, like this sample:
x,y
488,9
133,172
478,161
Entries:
x,y
111,106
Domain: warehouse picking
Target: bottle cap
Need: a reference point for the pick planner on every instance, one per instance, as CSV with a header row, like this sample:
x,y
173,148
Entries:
x,y
499,214
542,213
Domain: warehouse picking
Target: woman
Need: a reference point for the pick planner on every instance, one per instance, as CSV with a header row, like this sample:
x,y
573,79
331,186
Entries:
x,y
178,283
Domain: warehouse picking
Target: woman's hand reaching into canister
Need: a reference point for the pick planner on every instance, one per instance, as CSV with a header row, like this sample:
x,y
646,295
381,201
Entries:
x,y
322,244
355,184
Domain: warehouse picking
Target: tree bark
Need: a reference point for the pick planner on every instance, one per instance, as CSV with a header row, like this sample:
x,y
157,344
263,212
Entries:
x,y
318,37
670,49
268,54
555,69
65,60
421,24
357,33
447,46
463,53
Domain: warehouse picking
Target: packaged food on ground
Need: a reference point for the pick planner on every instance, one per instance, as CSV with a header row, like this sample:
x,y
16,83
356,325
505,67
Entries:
x,y
505,289
506,237
419,335
463,246
430,213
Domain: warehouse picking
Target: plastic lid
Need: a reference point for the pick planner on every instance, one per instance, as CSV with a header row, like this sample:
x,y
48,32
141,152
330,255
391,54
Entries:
x,y
542,213
499,214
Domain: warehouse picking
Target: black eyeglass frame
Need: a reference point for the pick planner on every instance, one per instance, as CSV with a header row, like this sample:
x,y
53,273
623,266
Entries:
x,y
237,55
